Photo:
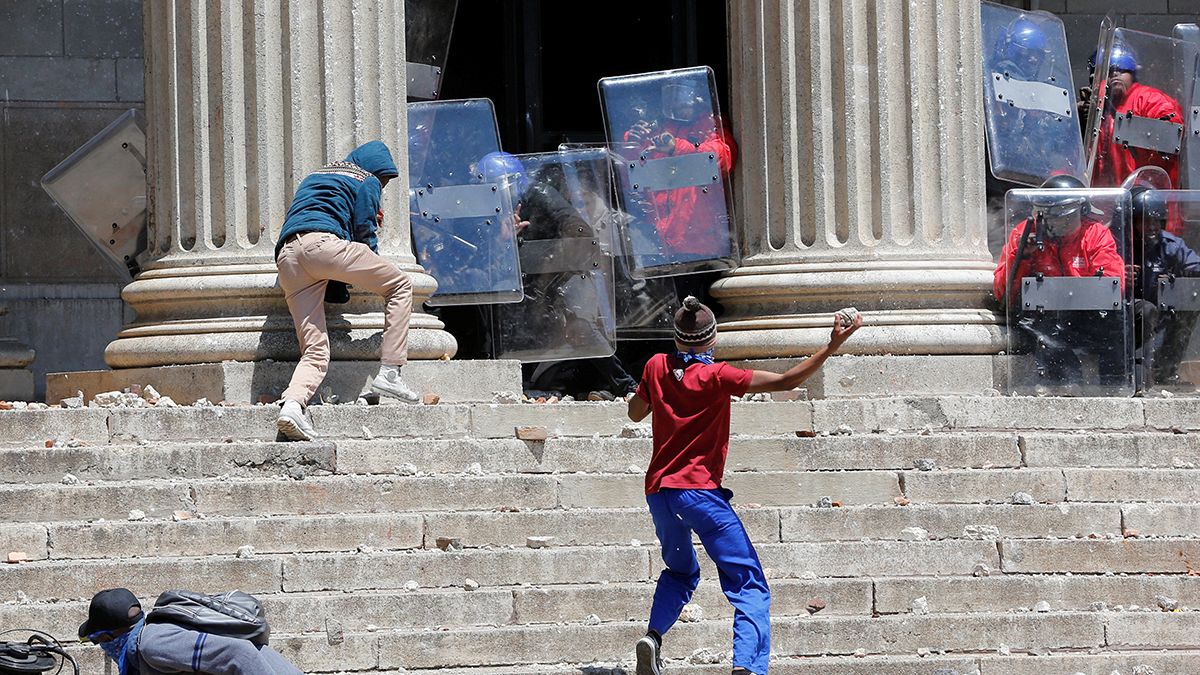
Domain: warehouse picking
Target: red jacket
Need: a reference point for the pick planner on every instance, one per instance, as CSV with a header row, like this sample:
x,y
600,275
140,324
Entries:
x,y
1114,162
689,220
1079,254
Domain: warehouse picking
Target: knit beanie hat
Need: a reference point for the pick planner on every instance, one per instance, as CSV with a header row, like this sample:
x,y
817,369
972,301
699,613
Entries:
x,y
695,325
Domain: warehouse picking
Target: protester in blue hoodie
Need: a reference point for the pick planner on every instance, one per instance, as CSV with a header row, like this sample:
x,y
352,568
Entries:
x,y
330,236
118,625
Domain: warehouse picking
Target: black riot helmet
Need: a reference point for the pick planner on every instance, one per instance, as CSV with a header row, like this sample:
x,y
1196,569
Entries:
x,y
1149,212
1057,206
1149,204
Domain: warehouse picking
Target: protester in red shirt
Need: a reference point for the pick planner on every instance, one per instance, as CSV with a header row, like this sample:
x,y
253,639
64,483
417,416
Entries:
x,y
689,395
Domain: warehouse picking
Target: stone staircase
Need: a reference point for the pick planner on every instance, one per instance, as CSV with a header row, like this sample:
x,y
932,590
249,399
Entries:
x,y
927,564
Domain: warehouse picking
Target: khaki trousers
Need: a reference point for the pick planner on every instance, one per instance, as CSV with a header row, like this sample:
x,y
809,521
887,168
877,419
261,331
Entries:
x,y
306,262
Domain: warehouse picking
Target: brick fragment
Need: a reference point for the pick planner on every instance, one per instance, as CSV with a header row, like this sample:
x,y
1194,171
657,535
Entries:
x,y
430,399
532,433
18,557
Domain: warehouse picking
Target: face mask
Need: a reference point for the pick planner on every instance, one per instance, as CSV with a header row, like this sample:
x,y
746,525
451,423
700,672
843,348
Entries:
x,y
116,647
692,355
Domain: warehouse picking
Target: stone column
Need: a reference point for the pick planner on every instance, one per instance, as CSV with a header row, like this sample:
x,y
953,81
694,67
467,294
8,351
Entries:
x,y
243,99
860,179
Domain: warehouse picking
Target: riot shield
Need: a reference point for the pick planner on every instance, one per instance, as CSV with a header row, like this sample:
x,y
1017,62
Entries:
x,y
1033,127
566,214
427,28
1061,276
1190,169
673,180
645,307
1150,177
1165,269
102,188
1140,82
463,226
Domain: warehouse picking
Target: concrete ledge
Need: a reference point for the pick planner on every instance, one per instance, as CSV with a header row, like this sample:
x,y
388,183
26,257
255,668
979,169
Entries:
x,y
849,376
241,382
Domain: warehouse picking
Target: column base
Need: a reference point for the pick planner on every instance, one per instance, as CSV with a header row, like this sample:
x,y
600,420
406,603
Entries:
x,y
245,382
785,309
236,312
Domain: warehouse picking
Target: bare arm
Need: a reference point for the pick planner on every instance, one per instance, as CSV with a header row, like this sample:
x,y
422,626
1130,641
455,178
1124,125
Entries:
x,y
638,408
766,381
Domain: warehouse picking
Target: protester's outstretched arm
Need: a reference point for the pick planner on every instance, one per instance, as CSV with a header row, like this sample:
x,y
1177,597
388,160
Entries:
x,y
638,408
766,381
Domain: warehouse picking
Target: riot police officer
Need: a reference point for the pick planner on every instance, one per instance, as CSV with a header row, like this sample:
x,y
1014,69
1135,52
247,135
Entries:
x,y
1161,335
1064,239
1126,96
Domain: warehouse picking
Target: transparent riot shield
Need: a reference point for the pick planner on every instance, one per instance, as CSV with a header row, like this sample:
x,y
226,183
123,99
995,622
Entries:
x,y
566,214
1149,177
427,28
673,180
102,188
1165,269
1189,170
463,225
645,307
1062,277
1141,83
1033,127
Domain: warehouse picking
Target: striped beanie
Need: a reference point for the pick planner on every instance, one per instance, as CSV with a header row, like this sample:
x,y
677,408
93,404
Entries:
x,y
695,325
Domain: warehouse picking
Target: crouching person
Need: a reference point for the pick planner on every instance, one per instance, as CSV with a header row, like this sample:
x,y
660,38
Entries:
x,y
329,240
117,624
689,395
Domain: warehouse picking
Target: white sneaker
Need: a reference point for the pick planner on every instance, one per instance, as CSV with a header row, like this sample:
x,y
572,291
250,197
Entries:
x,y
390,384
292,423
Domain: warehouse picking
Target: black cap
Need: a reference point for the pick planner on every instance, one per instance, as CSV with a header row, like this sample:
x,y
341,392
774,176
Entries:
x,y
111,610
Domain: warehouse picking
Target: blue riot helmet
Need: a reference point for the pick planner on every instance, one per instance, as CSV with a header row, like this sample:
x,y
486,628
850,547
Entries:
x,y
1024,46
1121,57
494,166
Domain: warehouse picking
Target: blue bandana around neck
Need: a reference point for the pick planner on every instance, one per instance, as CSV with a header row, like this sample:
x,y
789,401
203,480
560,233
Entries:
x,y
692,355
118,647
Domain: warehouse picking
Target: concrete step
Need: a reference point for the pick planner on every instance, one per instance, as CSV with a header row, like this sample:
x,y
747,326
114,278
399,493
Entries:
x,y
166,460
1019,592
264,497
348,532
924,414
374,610
814,636
608,454
1117,449
179,459
1100,556
1105,663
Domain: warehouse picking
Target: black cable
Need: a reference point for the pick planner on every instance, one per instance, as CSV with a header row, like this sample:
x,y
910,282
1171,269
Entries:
x,y
46,643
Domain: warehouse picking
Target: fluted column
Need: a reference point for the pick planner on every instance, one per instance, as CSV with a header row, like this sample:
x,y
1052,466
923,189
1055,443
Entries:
x,y
243,99
861,177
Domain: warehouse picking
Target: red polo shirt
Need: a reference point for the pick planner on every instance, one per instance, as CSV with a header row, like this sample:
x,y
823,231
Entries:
x,y
690,407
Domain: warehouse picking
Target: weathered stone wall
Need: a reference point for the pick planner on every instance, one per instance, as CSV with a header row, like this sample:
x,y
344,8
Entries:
x,y
67,69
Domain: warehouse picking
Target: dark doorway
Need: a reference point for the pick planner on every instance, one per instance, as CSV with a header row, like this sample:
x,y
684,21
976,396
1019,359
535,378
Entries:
x,y
539,60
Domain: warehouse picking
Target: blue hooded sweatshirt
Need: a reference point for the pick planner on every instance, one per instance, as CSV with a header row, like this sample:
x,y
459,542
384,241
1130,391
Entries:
x,y
342,198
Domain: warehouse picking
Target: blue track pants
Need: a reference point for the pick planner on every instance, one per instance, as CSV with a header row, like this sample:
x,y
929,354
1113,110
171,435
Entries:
x,y
679,513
